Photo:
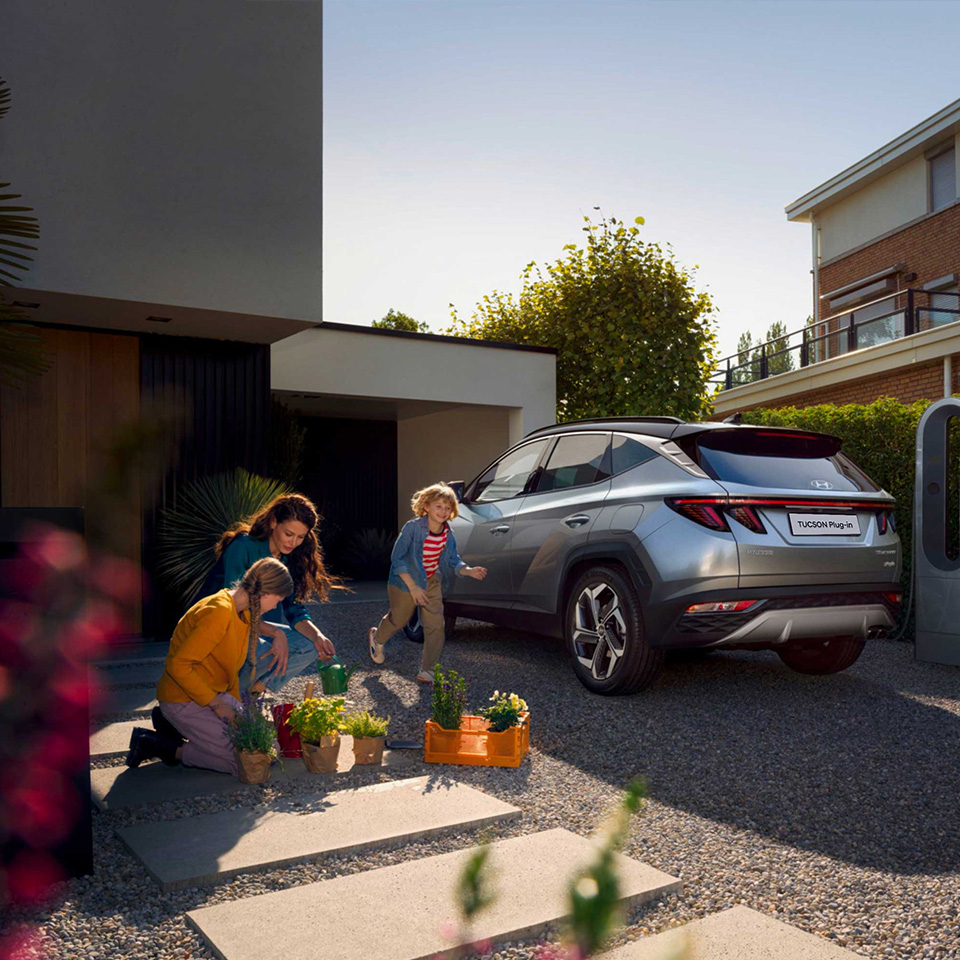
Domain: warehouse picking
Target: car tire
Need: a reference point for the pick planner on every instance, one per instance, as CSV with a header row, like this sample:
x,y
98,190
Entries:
x,y
627,663
830,655
413,629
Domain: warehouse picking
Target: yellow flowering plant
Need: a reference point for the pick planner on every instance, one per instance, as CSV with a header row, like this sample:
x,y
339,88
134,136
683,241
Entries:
x,y
314,718
506,710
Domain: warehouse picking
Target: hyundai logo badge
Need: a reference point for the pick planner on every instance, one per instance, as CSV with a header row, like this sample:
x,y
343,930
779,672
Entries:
x,y
821,484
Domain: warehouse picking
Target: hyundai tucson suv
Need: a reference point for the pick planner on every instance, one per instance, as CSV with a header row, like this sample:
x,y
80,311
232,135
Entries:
x,y
630,537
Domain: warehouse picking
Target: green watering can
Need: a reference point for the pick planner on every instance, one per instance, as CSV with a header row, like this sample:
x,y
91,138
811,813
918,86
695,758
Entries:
x,y
334,675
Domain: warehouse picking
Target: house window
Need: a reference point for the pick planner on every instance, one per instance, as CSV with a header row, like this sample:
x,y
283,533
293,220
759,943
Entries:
x,y
943,179
943,306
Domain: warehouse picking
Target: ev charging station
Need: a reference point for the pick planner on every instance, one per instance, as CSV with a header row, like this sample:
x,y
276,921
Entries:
x,y
937,582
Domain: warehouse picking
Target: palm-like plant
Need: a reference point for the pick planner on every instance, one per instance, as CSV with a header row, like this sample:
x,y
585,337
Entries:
x,y
22,353
187,533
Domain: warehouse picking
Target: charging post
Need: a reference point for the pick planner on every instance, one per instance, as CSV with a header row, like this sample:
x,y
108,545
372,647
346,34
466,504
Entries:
x,y
937,582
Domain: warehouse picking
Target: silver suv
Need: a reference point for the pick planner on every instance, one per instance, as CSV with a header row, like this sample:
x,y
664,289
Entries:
x,y
631,537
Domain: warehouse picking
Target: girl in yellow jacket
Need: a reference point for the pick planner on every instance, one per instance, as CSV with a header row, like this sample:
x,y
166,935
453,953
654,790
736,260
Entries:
x,y
199,691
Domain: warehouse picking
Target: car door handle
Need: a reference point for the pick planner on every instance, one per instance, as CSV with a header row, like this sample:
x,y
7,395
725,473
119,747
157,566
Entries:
x,y
577,521
499,531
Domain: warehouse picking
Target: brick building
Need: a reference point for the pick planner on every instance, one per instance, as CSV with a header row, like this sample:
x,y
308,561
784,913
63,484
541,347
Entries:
x,y
885,263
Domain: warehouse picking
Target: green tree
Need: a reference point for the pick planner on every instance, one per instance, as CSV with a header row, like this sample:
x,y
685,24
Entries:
x,y
778,343
395,320
632,335
22,353
747,368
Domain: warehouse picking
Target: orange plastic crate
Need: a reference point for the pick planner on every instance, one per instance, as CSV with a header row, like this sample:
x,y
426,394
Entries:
x,y
475,745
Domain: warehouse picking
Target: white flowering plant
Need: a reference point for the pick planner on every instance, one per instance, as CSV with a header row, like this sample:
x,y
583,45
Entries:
x,y
506,710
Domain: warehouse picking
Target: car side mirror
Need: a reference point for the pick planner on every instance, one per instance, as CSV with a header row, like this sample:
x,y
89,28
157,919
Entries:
x,y
458,487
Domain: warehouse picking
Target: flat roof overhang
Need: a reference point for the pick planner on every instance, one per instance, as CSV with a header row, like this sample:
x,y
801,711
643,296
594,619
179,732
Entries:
x,y
135,316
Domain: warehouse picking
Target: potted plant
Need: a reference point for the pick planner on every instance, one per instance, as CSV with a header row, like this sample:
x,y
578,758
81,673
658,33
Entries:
x,y
254,738
498,736
318,723
368,732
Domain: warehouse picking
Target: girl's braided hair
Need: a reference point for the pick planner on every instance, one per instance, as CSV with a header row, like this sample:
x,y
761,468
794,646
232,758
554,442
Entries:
x,y
310,576
265,576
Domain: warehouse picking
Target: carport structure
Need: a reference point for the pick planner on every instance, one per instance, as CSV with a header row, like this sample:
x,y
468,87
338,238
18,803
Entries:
x,y
388,412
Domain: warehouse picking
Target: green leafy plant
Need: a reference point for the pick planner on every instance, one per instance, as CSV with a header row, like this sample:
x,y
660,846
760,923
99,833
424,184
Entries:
x,y
506,710
252,731
449,701
316,717
367,553
632,334
594,893
365,724
187,533
23,354
288,441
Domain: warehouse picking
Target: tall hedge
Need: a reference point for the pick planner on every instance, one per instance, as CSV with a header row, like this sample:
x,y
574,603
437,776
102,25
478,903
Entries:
x,y
881,438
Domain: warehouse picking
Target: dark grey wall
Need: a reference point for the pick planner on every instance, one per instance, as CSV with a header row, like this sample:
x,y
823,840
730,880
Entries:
x,y
172,151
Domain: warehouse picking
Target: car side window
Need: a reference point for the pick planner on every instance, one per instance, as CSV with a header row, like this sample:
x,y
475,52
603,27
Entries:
x,y
576,461
627,453
508,477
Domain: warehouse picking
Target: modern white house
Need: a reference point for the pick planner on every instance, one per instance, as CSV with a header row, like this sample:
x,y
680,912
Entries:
x,y
174,163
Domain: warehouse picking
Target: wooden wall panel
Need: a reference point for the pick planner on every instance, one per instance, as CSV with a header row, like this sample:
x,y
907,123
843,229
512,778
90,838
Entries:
x,y
55,429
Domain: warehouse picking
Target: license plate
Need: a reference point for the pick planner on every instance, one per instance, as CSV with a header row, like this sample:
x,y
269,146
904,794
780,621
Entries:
x,y
824,524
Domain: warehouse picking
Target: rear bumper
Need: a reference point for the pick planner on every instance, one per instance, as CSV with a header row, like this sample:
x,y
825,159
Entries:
x,y
864,611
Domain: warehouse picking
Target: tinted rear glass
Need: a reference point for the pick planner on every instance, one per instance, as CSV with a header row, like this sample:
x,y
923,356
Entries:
x,y
811,464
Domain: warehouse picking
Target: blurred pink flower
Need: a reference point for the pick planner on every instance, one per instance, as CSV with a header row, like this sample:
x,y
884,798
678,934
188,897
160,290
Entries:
x,y
21,943
42,806
31,876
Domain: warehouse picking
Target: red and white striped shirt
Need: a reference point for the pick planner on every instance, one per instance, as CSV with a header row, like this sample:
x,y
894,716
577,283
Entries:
x,y
433,545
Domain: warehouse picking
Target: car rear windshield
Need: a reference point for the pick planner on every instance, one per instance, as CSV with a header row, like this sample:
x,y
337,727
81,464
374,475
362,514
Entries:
x,y
809,462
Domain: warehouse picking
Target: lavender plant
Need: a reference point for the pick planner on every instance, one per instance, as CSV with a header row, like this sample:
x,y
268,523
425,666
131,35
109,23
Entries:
x,y
449,701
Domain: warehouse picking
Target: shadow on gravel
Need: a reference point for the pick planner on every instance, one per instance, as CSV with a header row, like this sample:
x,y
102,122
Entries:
x,y
844,765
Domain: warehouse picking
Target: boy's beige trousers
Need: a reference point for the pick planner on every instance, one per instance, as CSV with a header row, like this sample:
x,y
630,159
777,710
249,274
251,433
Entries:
x,y
431,617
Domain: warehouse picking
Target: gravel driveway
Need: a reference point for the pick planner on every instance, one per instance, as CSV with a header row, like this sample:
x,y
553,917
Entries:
x,y
831,803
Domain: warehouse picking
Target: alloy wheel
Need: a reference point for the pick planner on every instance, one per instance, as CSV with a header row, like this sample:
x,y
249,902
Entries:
x,y
599,630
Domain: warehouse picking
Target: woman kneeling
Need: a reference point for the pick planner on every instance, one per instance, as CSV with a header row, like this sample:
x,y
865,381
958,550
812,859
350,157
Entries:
x,y
200,688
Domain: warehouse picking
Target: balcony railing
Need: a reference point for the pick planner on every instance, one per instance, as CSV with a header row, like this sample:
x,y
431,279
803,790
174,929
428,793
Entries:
x,y
889,318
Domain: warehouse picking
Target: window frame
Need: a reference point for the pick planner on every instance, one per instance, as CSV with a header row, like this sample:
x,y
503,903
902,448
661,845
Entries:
x,y
546,460
469,496
637,438
933,155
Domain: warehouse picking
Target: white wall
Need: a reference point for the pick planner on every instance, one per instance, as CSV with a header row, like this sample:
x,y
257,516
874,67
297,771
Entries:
x,y
883,205
450,445
172,151
365,364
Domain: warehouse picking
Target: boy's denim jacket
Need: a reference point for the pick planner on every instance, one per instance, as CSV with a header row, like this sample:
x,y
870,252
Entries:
x,y
407,556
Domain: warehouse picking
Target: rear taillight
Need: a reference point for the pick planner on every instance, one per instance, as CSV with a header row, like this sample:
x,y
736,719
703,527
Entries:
x,y
721,606
886,522
705,512
895,598
748,517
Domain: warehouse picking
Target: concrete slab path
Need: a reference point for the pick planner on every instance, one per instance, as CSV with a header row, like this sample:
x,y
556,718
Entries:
x,y
107,739
146,673
211,848
396,912
138,700
735,934
116,787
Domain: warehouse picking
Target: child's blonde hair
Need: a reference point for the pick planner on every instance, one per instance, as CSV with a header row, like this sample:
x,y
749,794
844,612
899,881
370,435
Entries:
x,y
436,491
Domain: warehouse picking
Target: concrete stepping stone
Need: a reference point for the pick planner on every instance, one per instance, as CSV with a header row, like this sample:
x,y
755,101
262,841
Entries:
x,y
146,673
116,787
138,700
735,934
397,912
211,848
107,739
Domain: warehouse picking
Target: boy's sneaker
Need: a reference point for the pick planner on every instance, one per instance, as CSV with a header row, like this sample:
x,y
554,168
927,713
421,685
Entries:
x,y
424,676
376,649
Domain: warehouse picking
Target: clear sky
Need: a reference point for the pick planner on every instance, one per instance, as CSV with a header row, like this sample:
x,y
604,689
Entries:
x,y
465,138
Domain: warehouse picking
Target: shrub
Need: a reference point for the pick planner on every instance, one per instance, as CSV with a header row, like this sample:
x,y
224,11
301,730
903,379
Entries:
x,y
449,700
365,724
315,718
367,553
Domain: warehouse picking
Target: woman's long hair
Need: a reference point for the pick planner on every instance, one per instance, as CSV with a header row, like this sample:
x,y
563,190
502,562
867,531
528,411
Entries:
x,y
265,576
310,576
